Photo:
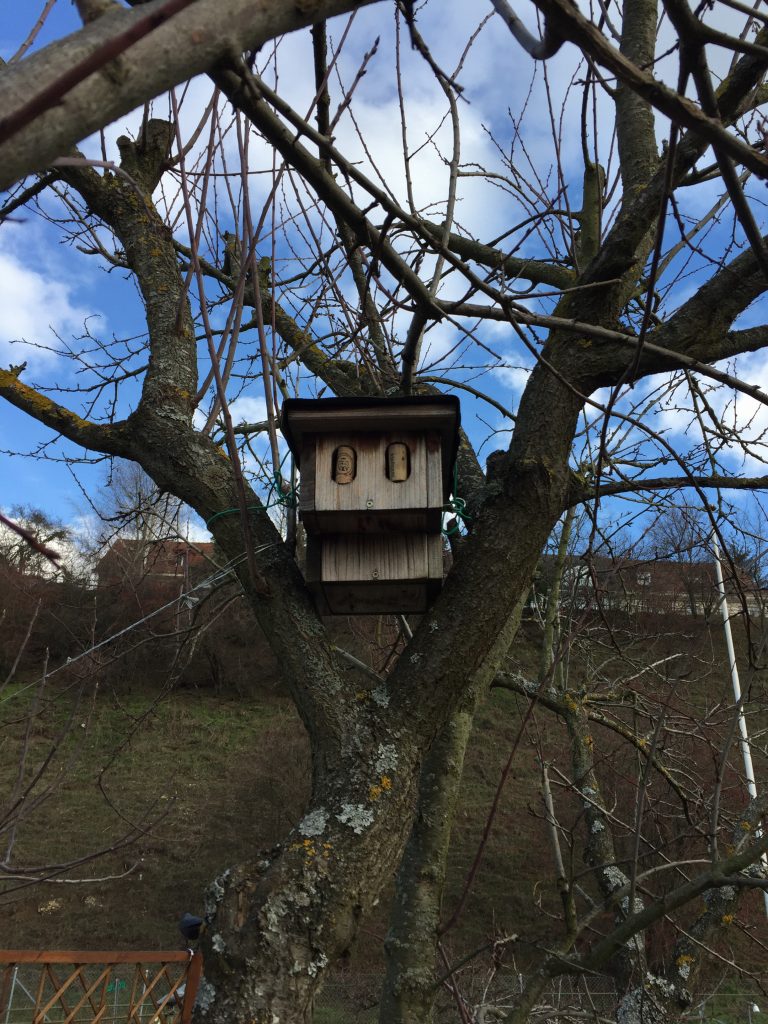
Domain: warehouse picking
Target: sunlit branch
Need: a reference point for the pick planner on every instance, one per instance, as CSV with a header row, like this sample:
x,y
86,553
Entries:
x,y
667,359
512,267
151,61
462,386
34,32
673,483
689,29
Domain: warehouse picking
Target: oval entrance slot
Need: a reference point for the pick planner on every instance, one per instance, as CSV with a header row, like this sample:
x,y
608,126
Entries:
x,y
398,462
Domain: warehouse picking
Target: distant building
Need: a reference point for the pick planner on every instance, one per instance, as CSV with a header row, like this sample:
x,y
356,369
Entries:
x,y
132,562
651,586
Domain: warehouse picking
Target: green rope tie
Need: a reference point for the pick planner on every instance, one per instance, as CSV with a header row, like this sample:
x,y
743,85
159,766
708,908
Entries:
x,y
288,498
285,494
457,506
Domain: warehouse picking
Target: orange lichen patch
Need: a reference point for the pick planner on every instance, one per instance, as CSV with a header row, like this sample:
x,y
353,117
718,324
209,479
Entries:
x,y
726,919
306,846
684,959
382,786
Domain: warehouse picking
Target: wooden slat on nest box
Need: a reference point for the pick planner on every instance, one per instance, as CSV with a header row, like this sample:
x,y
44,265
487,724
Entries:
x,y
355,574
303,420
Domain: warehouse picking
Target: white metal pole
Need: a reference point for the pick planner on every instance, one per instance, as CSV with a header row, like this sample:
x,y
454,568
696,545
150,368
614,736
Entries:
x,y
746,753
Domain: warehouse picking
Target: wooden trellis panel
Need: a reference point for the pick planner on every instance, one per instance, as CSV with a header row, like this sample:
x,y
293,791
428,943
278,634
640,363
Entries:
x,y
65,987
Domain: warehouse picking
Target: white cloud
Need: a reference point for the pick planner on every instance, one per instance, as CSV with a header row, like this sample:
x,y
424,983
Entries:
x,y
33,305
195,530
513,377
248,410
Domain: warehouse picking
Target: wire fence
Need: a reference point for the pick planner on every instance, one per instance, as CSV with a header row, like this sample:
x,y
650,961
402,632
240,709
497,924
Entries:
x,y
354,999
130,997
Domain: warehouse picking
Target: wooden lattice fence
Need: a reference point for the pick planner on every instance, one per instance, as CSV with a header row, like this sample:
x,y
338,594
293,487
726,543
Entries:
x,y
65,987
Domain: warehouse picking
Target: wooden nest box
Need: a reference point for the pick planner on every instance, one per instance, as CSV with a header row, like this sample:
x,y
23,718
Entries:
x,y
375,475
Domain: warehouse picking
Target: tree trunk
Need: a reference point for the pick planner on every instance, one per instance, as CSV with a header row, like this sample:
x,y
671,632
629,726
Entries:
x,y
278,920
409,990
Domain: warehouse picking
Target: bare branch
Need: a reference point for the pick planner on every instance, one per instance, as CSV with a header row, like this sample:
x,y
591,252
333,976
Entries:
x,y
539,49
151,61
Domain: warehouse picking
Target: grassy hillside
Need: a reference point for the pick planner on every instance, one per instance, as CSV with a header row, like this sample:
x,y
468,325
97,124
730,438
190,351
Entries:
x,y
205,778
208,778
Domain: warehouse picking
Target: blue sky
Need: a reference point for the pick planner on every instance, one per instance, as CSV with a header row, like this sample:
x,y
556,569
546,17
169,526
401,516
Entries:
x,y
48,288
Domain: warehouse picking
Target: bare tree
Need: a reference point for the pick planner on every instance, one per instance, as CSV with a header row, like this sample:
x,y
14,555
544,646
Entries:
x,y
131,505
682,534
600,286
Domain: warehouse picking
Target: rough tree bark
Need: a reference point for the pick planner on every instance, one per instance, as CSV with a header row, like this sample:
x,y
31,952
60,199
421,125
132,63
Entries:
x,y
71,88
